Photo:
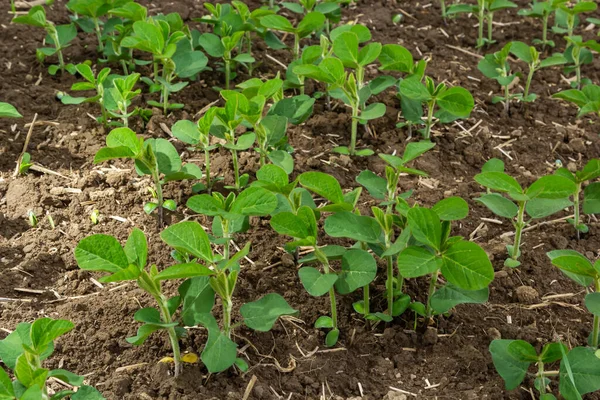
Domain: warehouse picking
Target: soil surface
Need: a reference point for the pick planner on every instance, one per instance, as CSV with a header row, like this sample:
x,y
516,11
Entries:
x,y
39,276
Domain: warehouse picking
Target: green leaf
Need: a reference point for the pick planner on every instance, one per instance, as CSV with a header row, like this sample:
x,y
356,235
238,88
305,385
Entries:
x,y
143,333
66,376
101,253
273,175
574,265
287,223
345,47
188,237
584,369
522,351
499,181
415,261
220,352
522,51
375,185
316,283
277,22
541,208
11,347
8,111
108,153
414,89
372,111
457,101
359,268
369,53
322,184
467,266
591,198
32,393
132,272
254,201
310,23
136,248
510,368
425,226
449,296
493,165
87,393
356,227
592,303
499,205
186,131
167,158
123,138
551,187
198,298
552,352
394,57
332,337
262,314
28,375
451,209
45,330
416,149
205,204
324,322
187,270
6,389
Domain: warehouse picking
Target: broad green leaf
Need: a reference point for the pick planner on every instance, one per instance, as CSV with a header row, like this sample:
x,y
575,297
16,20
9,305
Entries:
x,y
552,352
277,22
205,204
8,111
273,175
510,368
124,137
212,44
394,57
457,101
359,268
188,237
310,23
375,185
551,187
449,296
322,184
324,322
345,47
414,89
143,333
590,171
186,131
372,111
332,337
254,201
287,223
522,51
45,330
499,181
28,375
332,252
101,253
467,266
131,273
415,261
187,270
425,226
415,149
11,347
541,208
220,352
592,303
32,393
522,351
167,158
87,393
136,248
451,209
261,314
499,205
110,153
356,227
591,198
493,165
585,371
369,53
6,389
198,298
66,376
574,265
316,283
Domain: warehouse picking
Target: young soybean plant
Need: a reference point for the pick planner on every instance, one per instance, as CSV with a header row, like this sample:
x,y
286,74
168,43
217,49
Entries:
x,y
567,14
88,14
311,22
541,10
454,102
58,36
484,11
93,82
496,66
358,266
544,197
154,157
24,350
591,193
579,53
463,264
531,57
587,99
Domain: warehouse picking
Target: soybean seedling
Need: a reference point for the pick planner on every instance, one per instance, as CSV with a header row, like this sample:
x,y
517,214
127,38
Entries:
x,y
484,11
577,54
311,22
463,264
591,193
330,8
58,36
541,10
119,97
198,136
544,197
96,83
587,99
123,18
154,157
23,352
8,111
496,66
453,102
567,14
531,56
350,87
92,11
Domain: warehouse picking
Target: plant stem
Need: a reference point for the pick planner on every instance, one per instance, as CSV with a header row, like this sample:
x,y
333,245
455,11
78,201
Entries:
x,y
481,18
331,298
98,34
236,169
490,21
596,329
366,303
227,73
207,167
519,225
13,9
159,195
506,99
429,122
124,66
352,148
545,29
165,97
576,208
528,83
432,283
443,6
540,375
296,46
578,74
390,284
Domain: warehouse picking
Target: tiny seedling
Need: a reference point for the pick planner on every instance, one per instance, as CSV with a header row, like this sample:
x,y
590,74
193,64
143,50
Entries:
x,y
484,11
311,22
9,111
464,265
58,36
453,102
587,99
579,53
541,10
97,83
198,136
544,197
25,164
32,219
23,352
591,193
531,57
154,157
496,66
119,27
95,216
92,11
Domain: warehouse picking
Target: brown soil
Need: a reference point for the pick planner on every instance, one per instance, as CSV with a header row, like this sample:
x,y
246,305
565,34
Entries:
x,y
455,364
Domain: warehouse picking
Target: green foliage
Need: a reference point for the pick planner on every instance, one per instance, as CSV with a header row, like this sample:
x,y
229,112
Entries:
x,y
496,66
546,196
89,13
577,54
59,36
9,111
154,157
567,14
587,99
310,23
541,10
24,350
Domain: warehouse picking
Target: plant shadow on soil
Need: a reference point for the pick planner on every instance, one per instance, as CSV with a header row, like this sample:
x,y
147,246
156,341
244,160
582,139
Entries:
x,y
456,360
